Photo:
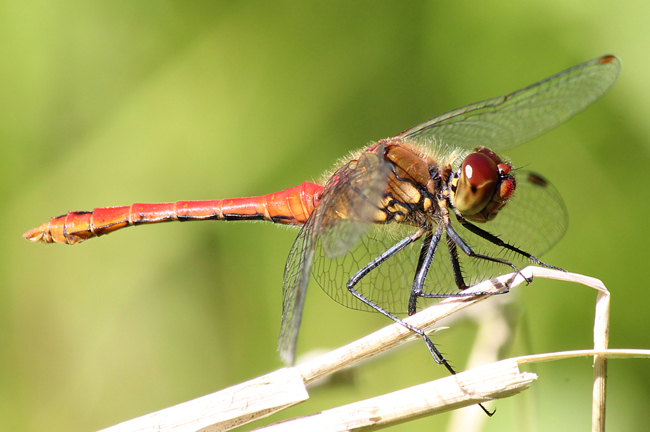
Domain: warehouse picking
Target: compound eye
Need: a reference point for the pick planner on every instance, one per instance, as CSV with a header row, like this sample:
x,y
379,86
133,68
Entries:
x,y
479,176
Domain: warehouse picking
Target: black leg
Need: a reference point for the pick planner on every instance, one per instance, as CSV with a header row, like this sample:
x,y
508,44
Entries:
x,y
437,355
431,241
455,265
453,235
453,241
427,252
433,350
498,242
384,256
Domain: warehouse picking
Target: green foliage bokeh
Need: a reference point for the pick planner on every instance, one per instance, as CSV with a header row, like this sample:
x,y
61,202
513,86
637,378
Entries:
x,y
111,103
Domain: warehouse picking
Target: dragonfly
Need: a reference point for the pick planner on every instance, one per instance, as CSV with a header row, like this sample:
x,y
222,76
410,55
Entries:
x,y
409,219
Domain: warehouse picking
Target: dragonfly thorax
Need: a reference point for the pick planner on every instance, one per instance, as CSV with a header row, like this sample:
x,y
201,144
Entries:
x,y
412,184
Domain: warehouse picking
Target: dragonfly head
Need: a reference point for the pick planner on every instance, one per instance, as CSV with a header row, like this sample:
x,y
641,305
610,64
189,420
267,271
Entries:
x,y
482,185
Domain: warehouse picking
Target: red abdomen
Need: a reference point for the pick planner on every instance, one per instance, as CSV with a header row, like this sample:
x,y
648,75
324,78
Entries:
x,y
291,206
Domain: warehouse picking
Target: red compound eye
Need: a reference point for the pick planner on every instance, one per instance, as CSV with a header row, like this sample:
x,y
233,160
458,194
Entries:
x,y
476,185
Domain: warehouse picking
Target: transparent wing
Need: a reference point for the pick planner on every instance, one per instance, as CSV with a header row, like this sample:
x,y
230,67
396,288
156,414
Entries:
x,y
506,121
294,289
387,285
344,213
350,200
533,221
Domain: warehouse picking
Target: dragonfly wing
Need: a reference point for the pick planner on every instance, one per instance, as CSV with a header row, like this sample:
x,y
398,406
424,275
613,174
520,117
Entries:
x,y
388,285
350,201
506,121
294,289
343,215
535,219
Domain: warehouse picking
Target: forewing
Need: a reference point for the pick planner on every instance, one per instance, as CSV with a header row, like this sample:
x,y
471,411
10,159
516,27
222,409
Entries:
x,y
506,121
343,215
350,200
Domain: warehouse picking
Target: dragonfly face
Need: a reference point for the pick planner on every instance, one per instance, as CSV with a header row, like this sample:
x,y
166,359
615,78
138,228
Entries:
x,y
482,186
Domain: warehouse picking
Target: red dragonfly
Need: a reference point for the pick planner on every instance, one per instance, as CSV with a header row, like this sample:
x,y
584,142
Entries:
x,y
383,219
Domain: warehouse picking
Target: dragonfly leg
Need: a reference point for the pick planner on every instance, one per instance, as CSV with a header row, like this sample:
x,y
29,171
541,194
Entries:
x,y
425,261
458,278
427,252
457,239
453,242
458,275
498,242
435,353
455,266
384,256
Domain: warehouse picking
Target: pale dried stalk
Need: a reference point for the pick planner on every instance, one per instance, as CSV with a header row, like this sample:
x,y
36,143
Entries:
x,y
601,341
493,381
497,380
273,392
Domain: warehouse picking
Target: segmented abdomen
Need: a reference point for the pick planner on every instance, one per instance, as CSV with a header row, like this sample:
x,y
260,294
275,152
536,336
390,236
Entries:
x,y
291,206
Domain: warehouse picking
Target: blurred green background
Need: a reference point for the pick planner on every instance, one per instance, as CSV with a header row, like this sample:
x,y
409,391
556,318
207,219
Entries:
x,y
110,103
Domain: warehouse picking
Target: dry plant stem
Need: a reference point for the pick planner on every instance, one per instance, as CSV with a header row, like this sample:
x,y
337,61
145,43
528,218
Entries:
x,y
226,409
495,380
276,391
562,355
395,334
273,392
601,341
